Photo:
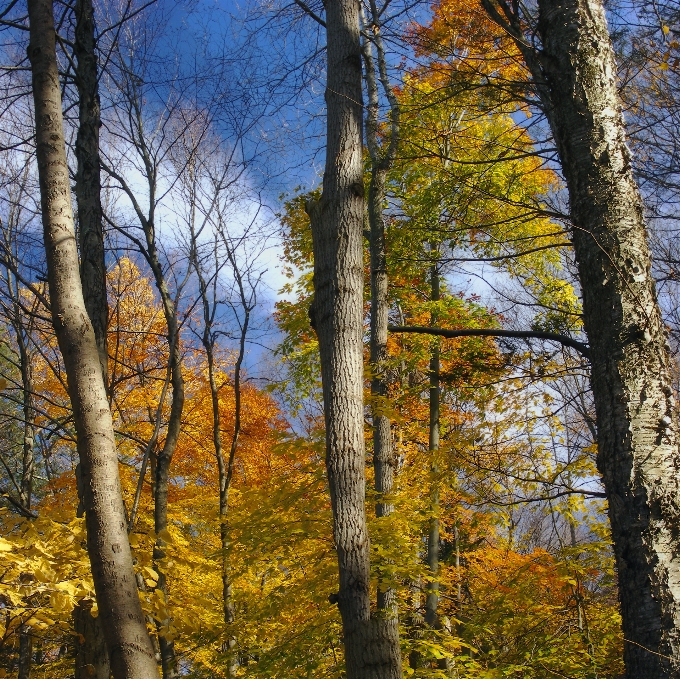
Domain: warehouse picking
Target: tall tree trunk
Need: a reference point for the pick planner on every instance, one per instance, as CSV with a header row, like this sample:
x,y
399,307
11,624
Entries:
x,y
337,220
432,586
162,478
384,460
575,77
92,658
88,181
108,547
636,414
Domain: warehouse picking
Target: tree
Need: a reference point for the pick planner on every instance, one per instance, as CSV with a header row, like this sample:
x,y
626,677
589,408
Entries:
x,y
337,230
637,420
129,645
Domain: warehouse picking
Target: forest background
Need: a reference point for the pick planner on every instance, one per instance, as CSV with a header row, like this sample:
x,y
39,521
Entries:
x,y
492,542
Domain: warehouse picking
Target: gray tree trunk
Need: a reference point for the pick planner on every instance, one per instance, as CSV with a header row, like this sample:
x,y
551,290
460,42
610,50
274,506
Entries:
x,y
337,314
122,619
92,658
384,459
575,76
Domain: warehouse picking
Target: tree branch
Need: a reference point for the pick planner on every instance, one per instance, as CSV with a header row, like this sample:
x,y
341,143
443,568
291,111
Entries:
x,y
583,349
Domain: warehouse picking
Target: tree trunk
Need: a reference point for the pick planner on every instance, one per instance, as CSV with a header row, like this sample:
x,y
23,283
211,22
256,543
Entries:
x,y
122,619
337,314
225,467
384,461
25,652
164,457
28,395
88,182
636,411
432,587
92,658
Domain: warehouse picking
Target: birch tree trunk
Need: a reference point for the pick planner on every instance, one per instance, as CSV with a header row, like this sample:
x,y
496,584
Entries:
x,y
337,314
575,77
122,619
636,413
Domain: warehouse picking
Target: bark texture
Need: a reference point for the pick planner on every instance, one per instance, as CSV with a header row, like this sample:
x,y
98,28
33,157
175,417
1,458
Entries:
x,y
88,181
636,413
92,658
121,613
337,221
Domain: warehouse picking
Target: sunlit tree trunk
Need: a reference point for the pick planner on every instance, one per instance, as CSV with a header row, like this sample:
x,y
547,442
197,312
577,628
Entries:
x,y
636,413
337,226
123,622
575,77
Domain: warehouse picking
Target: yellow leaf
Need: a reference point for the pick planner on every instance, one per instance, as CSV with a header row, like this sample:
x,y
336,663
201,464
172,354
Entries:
x,y
5,545
43,576
151,573
663,66
665,29
165,535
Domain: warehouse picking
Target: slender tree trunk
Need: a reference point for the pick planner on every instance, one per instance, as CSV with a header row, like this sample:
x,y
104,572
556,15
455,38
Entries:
x,y
88,181
225,466
383,450
337,221
575,77
92,658
432,586
28,457
108,547
164,457
384,460
167,647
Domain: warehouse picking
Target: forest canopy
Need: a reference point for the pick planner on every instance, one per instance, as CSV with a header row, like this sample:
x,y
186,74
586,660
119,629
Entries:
x,y
339,339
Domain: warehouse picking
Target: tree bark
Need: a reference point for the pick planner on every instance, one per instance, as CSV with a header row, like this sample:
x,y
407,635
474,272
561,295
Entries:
x,y
384,460
337,314
92,658
129,644
575,76
88,181
636,413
